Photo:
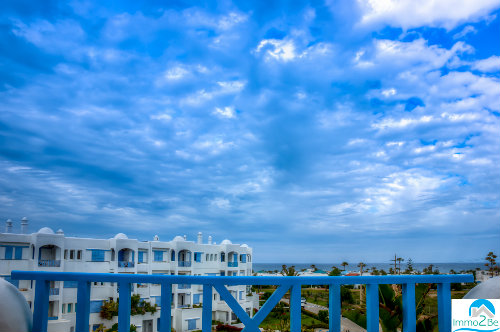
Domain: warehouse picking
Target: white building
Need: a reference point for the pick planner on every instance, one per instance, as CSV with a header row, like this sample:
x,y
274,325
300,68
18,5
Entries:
x,y
49,251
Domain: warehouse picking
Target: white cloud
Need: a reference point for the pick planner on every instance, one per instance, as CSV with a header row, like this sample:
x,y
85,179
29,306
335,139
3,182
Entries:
x,y
465,31
226,112
278,49
176,73
491,64
411,14
221,203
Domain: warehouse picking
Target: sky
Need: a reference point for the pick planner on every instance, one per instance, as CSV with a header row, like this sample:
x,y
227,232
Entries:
x,y
316,131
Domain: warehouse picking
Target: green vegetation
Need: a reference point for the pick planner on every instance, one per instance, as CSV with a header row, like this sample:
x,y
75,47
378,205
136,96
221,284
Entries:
x,y
109,309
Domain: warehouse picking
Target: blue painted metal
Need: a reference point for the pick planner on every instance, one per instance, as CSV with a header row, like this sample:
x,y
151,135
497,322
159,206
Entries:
x,y
83,308
335,308
294,284
124,307
295,312
49,263
232,264
372,303
444,306
184,263
40,317
125,264
54,291
409,314
206,316
165,314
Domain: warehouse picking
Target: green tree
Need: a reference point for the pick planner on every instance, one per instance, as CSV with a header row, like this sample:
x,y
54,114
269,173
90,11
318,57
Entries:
x,y
344,264
323,316
334,272
361,267
288,271
491,262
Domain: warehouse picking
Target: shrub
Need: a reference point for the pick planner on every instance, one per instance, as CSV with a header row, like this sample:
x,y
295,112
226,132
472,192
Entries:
x,y
227,328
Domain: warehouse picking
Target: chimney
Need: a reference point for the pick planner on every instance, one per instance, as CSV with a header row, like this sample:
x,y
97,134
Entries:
x,y
200,238
24,225
185,237
8,226
210,239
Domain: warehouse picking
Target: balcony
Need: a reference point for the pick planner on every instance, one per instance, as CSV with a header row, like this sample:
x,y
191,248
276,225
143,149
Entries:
x,y
184,286
232,264
54,291
184,264
125,264
49,263
284,284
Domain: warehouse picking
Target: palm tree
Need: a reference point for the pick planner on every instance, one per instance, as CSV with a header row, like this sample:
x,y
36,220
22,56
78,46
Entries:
x,y
313,267
399,259
288,271
361,267
344,264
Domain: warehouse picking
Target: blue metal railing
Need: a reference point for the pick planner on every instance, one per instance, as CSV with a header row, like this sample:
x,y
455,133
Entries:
x,y
285,284
49,263
184,263
125,264
184,286
232,264
54,291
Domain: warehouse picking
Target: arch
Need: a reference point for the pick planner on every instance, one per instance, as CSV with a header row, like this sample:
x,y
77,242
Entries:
x,y
222,256
126,257
49,255
172,255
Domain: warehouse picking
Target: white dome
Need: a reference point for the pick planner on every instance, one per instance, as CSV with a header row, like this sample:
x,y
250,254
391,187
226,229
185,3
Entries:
x,y
244,245
120,236
46,230
226,241
60,231
178,238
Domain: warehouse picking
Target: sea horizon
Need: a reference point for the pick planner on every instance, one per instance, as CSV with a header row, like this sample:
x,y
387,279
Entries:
x,y
442,267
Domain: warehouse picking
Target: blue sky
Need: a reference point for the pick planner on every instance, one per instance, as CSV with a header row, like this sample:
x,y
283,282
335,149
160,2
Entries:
x,y
312,131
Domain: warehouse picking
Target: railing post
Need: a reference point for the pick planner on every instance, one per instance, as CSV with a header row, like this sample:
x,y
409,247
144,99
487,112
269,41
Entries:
x,y
166,310
83,308
444,306
335,312
206,318
409,314
372,303
41,312
295,312
124,306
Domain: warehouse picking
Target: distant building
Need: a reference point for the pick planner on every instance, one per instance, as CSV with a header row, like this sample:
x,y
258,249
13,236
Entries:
x,y
49,251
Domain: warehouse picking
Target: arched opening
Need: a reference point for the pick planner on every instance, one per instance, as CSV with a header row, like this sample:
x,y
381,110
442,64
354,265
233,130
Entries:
x,y
222,256
172,255
126,257
185,258
232,259
49,255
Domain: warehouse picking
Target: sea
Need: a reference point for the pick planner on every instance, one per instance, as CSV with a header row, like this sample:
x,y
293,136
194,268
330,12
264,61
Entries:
x,y
441,267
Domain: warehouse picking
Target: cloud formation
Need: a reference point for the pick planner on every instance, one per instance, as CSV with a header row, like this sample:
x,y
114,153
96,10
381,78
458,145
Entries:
x,y
353,130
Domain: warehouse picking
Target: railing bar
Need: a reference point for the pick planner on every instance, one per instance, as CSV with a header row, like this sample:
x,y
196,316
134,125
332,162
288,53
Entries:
x,y
444,306
83,308
409,314
41,311
235,306
295,312
372,303
270,303
206,318
124,306
166,310
335,310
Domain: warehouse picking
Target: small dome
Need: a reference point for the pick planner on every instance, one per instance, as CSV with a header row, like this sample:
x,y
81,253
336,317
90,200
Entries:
x,y
60,231
156,238
46,230
244,245
178,238
120,236
226,241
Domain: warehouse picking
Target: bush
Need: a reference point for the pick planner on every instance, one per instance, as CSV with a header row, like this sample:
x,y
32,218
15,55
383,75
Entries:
x,y
227,328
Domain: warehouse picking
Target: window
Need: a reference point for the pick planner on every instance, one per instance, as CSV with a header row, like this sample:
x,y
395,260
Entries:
x,y
140,257
191,324
158,255
19,253
95,306
243,258
63,309
197,256
8,252
222,257
70,307
71,254
70,284
196,298
79,255
98,255
241,295
172,256
66,254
